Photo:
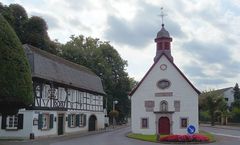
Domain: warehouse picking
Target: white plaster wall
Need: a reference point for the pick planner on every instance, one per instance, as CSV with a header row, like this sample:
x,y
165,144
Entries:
x,y
40,132
229,94
28,126
181,91
99,125
21,133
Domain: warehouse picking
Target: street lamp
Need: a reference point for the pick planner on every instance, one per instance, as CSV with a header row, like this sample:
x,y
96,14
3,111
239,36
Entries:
x,y
114,103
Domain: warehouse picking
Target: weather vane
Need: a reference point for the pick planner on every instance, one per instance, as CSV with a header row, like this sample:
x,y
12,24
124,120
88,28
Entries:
x,y
162,15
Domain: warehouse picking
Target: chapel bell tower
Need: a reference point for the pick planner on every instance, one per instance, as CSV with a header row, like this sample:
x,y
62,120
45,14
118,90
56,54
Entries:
x,y
163,42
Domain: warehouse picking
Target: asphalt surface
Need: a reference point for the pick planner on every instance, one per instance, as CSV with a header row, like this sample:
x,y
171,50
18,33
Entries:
x,y
118,137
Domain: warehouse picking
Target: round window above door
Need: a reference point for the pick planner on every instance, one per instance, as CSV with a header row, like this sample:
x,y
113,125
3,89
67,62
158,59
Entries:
x,y
163,84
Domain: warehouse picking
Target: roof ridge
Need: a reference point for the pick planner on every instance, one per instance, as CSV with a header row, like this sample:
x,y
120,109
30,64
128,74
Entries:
x,y
60,59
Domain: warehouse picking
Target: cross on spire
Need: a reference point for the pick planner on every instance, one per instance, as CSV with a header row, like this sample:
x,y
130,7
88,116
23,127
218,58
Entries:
x,y
162,15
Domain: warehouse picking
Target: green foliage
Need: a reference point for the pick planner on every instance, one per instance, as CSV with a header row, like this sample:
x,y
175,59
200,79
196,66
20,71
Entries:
x,y
213,102
151,138
29,30
204,116
105,61
36,34
236,92
236,95
19,20
235,115
114,113
15,76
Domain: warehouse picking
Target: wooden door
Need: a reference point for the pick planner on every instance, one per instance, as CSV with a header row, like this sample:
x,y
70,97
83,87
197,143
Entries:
x,y
164,125
60,124
92,123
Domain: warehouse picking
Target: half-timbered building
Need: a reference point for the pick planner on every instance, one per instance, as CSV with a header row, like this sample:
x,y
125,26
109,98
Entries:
x,y
67,98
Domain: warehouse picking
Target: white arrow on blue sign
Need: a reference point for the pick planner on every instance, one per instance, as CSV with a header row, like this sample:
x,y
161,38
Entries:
x,y
191,129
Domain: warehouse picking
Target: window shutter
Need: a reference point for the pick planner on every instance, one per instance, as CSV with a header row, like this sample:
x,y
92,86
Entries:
x,y
69,120
51,121
84,119
20,121
4,119
40,121
78,120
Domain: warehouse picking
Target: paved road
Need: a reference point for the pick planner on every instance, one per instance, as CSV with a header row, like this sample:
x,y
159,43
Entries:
x,y
224,136
117,137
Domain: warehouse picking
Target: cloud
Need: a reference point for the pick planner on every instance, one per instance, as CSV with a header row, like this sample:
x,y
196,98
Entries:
x,y
194,70
211,81
51,21
208,52
142,29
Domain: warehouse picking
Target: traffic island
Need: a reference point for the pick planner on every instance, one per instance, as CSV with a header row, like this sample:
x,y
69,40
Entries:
x,y
200,138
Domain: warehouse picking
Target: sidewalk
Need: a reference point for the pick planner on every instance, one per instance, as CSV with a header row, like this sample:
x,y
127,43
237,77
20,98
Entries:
x,y
222,126
63,137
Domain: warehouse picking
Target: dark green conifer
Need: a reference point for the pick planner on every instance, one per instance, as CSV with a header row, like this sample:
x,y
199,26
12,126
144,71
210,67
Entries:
x,y
15,77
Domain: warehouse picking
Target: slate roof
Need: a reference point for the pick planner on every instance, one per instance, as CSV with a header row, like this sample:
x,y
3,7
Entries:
x,y
163,33
51,67
221,91
134,89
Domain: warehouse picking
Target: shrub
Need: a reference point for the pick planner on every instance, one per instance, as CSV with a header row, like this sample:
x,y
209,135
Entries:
x,y
185,138
15,76
235,115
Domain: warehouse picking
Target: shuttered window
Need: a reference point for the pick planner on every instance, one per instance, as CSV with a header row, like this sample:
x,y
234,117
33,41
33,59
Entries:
x,y
45,121
12,122
72,120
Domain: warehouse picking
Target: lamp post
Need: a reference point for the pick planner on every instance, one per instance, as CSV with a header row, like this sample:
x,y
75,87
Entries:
x,y
114,103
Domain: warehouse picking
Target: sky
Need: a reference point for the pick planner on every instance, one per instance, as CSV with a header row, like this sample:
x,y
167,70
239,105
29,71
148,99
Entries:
x,y
206,34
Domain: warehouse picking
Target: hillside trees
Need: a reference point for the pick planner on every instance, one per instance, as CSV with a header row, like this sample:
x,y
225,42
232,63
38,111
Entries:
x,y
213,102
29,30
105,61
15,76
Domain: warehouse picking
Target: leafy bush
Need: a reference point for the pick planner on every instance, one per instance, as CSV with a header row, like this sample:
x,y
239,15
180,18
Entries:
x,y
204,116
185,138
15,77
235,115
114,113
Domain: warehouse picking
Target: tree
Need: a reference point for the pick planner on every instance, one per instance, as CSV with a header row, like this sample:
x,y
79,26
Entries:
x,y
236,92
19,21
36,34
17,17
213,102
105,61
15,76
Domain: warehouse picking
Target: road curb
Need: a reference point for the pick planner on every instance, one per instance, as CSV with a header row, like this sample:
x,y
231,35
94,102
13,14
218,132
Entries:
x,y
221,127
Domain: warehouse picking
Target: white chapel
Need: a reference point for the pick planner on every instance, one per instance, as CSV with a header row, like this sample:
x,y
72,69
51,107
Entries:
x,y
164,101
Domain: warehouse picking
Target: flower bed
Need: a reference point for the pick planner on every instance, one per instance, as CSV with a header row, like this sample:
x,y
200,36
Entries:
x,y
185,138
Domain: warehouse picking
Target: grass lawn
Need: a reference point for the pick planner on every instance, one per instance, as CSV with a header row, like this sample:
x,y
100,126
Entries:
x,y
153,138
209,135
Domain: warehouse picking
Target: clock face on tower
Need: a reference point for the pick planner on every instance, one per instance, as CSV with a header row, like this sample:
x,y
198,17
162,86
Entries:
x,y
163,66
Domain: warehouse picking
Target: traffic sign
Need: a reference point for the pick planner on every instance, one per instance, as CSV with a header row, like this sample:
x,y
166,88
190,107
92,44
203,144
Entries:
x,y
191,129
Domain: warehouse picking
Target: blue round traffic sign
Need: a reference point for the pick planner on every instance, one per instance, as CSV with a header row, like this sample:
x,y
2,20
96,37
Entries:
x,y
191,129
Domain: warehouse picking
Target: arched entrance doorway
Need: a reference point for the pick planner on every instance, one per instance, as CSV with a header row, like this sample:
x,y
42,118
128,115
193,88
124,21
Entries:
x,y
92,123
164,125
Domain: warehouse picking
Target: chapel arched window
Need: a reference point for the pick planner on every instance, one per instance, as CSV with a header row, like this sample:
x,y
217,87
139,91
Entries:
x,y
164,106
